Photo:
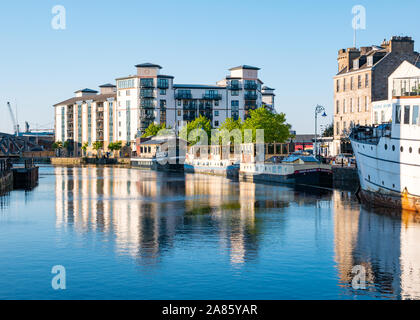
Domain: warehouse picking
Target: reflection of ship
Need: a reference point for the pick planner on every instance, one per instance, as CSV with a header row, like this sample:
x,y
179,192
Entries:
x,y
385,244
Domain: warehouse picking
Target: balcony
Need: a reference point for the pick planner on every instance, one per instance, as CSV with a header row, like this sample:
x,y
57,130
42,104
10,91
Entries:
x,y
147,83
251,96
148,116
212,96
235,86
147,104
189,106
183,95
163,85
250,86
406,87
250,105
189,116
147,94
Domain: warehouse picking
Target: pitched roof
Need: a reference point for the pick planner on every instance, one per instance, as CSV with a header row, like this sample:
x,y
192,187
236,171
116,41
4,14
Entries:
x,y
107,85
86,90
95,98
244,66
148,65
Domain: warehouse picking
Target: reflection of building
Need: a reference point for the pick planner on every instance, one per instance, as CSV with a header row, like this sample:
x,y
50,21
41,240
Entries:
x,y
386,245
345,234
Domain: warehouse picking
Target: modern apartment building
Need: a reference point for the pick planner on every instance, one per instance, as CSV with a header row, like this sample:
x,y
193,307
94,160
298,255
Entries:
x,y
87,117
127,109
362,79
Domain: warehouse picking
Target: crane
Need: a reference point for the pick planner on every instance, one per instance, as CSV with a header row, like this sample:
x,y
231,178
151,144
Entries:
x,y
15,124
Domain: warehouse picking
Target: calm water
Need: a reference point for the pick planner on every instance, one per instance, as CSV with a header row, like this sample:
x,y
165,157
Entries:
x,y
132,234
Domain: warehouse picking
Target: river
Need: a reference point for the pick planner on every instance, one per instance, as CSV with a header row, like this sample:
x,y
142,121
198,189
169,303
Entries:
x,y
132,234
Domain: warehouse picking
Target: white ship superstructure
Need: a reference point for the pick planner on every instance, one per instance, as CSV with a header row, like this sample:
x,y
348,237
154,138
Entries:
x,y
388,154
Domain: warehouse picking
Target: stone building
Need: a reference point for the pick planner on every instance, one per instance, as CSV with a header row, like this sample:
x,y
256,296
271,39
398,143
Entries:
x,y
362,78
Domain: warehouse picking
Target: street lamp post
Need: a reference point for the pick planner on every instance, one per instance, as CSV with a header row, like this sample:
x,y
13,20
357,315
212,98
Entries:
x,y
318,109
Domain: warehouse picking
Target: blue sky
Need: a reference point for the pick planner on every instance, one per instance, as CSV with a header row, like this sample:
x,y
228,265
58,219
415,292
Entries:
x,y
295,43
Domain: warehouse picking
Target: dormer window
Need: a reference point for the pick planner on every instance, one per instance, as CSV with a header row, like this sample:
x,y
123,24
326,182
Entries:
x,y
370,61
356,64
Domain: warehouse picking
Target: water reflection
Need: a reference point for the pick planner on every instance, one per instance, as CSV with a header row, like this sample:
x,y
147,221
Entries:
x,y
148,215
146,211
384,242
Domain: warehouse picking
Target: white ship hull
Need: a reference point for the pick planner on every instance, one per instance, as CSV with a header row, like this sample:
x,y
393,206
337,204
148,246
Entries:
x,y
389,166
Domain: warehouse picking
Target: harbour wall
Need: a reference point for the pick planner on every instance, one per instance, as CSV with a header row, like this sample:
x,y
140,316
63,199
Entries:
x,y
346,178
6,181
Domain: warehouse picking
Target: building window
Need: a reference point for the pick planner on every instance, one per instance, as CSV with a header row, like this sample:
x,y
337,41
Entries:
x,y
337,128
359,106
359,81
162,92
351,83
216,113
406,114
366,103
366,81
338,107
415,115
376,117
127,103
338,85
179,103
344,84
216,123
398,114
351,105
179,113
235,92
127,93
216,103
344,106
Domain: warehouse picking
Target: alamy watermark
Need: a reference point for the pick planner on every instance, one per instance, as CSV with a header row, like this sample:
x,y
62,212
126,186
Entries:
x,y
359,277
58,282
58,21
359,17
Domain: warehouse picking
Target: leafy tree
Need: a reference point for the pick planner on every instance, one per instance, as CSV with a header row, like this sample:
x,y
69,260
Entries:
x,y
155,129
329,131
274,125
198,123
229,127
115,146
84,147
98,145
57,145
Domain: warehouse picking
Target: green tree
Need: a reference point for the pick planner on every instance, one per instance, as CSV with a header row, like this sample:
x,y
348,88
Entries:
x,y
228,127
329,131
155,129
274,125
84,147
198,123
57,145
98,145
115,146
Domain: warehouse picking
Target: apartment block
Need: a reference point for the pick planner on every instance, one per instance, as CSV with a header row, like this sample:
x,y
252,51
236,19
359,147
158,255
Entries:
x,y
87,117
126,109
361,80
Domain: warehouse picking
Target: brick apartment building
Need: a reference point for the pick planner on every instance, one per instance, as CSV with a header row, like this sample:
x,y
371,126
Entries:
x,y
362,78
